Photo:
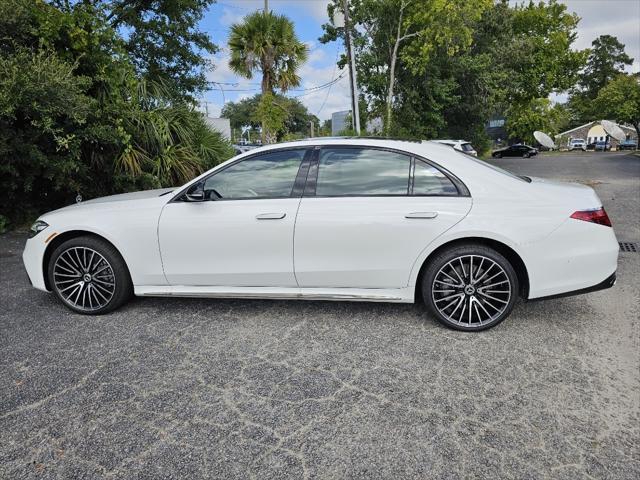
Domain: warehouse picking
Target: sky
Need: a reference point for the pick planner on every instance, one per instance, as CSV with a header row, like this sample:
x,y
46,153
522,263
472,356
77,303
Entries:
x,y
598,17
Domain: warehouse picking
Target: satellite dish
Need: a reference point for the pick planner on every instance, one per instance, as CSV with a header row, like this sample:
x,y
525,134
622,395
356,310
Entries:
x,y
544,139
613,130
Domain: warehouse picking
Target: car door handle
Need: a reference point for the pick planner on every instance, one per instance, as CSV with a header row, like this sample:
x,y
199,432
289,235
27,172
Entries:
x,y
425,215
271,216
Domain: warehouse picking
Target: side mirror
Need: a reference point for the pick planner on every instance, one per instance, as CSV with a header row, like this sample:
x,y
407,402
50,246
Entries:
x,y
195,193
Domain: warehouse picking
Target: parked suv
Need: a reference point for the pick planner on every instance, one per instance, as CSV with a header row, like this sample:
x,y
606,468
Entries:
x,y
629,144
578,144
603,146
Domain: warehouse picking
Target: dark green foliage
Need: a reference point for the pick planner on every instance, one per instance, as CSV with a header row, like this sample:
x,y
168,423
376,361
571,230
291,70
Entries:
x,y
72,115
164,41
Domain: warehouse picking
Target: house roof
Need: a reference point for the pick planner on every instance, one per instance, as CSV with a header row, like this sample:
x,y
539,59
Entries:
x,y
561,134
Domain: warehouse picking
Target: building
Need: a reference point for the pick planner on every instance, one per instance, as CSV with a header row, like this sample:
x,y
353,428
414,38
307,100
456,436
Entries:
x,y
495,129
593,132
339,122
222,125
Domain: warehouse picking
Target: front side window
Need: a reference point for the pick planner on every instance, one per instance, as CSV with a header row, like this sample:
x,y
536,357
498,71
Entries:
x,y
270,175
362,172
428,180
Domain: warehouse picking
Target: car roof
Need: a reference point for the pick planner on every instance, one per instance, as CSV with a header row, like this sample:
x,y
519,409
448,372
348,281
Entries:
x,y
410,146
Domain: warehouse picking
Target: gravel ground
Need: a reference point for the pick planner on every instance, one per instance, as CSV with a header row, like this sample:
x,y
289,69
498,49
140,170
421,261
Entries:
x,y
272,389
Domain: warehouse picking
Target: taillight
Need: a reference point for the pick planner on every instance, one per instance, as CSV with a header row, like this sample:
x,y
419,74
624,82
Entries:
x,y
598,216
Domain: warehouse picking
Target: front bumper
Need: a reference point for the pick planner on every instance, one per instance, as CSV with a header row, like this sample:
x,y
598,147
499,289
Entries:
x,y
32,257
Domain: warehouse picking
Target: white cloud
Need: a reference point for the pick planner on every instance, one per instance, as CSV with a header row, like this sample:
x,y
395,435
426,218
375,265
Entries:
x,y
330,100
229,16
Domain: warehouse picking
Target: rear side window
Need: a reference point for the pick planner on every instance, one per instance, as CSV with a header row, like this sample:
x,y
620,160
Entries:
x,y
428,180
362,172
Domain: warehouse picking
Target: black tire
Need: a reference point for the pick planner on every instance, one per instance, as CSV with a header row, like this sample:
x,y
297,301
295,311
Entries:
x,y
105,268
489,312
526,155
497,155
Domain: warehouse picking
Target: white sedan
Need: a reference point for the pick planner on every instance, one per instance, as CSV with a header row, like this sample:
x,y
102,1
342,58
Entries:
x,y
334,219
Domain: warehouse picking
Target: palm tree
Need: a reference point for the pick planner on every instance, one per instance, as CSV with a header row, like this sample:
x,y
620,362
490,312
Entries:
x,y
168,139
267,42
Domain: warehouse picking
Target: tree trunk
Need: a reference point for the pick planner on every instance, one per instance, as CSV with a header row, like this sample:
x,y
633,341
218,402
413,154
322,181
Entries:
x,y
266,88
392,70
392,79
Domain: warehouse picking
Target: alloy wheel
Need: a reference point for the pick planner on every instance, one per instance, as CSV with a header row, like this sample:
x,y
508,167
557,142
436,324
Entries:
x,y
84,278
471,291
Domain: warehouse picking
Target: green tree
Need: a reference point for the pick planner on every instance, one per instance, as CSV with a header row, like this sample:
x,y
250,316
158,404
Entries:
x,y
619,100
267,43
43,114
539,114
169,140
164,41
244,115
388,32
607,59
70,113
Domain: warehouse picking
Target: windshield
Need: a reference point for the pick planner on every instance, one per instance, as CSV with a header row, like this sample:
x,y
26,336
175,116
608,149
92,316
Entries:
x,y
467,147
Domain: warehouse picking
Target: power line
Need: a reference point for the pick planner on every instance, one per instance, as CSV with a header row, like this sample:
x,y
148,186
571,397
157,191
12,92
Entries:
x,y
309,89
335,66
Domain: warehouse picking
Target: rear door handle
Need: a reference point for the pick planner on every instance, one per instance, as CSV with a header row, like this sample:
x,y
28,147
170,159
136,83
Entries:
x,y
271,216
425,215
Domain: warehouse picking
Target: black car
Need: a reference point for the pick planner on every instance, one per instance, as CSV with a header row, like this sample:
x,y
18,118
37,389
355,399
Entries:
x,y
517,150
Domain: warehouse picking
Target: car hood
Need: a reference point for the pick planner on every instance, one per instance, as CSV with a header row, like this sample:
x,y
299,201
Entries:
x,y
124,202
125,197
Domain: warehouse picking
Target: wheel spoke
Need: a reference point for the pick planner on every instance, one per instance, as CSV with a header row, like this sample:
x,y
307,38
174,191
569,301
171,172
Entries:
x,y
70,265
479,269
456,272
493,298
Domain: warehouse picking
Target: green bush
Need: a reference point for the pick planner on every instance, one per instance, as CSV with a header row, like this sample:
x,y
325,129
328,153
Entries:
x,y
75,117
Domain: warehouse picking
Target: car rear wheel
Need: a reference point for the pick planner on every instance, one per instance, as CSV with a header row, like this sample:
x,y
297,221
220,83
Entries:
x,y
470,287
89,276
497,155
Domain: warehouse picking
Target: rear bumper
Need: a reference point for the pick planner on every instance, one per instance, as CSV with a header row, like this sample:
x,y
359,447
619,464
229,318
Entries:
x,y
575,258
608,282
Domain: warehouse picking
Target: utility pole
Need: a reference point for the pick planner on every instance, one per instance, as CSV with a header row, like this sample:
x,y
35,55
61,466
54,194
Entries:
x,y
311,126
355,111
266,6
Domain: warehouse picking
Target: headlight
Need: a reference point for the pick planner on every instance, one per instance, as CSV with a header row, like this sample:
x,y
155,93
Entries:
x,y
37,227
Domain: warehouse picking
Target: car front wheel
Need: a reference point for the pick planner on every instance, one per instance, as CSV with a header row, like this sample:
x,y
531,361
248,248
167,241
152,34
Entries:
x,y
89,275
470,287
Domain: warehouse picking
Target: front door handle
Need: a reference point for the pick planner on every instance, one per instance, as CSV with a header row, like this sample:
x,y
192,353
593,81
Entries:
x,y
271,216
425,215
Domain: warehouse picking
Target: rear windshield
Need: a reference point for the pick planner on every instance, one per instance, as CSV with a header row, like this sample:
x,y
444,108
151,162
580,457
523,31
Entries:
x,y
467,147
522,178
